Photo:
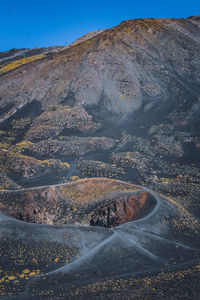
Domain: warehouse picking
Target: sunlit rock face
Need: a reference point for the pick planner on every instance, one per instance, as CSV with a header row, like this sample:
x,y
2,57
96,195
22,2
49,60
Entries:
x,y
124,210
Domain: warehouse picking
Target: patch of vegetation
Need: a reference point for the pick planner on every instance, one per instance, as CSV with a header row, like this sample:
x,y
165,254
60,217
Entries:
x,y
65,164
21,123
14,64
24,166
95,168
59,119
86,190
6,138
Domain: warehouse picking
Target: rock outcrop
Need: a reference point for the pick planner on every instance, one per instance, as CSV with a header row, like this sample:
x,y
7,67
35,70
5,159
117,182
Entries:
x,y
120,211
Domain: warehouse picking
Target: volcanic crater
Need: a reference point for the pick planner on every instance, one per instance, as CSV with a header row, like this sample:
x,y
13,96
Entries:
x,y
111,203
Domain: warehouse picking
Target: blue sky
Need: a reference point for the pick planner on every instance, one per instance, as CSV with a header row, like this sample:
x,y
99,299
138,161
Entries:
x,y
27,24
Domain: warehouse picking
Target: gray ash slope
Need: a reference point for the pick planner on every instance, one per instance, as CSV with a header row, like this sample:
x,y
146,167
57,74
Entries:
x,y
138,74
148,65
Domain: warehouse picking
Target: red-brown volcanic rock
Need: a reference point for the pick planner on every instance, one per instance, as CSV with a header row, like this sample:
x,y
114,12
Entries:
x,y
120,211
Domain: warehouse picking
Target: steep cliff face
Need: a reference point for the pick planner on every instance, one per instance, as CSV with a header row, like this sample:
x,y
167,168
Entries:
x,y
119,211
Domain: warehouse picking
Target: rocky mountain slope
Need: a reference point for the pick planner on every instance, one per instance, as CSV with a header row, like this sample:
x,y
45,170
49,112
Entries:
x,y
121,103
140,78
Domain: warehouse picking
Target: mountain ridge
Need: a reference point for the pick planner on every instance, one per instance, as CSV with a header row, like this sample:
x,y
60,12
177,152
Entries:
x,y
71,51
